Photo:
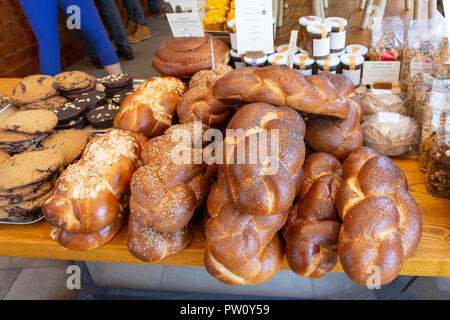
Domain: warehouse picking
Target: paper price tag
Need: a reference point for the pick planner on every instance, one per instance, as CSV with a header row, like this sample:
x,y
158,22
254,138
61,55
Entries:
x,y
388,117
379,92
254,26
380,71
183,17
292,47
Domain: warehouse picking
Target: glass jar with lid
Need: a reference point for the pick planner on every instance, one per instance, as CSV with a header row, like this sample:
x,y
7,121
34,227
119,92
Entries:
x,y
231,26
357,49
303,64
338,33
285,49
255,62
319,40
277,59
236,58
330,65
351,66
304,22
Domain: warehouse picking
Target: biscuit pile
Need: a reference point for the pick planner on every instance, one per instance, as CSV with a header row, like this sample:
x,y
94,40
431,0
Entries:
x,y
32,156
26,181
23,130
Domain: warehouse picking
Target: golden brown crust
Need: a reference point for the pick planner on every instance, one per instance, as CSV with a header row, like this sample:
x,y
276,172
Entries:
x,y
150,109
87,195
198,104
312,230
282,86
89,241
382,223
183,57
246,207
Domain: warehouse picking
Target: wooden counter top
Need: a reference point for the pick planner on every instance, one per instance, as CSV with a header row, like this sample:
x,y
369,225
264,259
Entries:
x,y
432,257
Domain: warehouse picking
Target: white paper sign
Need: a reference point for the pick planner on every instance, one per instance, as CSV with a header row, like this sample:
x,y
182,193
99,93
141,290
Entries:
x,y
254,26
184,20
380,71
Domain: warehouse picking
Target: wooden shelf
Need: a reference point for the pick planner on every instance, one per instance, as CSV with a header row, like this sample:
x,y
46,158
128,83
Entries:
x,y
432,257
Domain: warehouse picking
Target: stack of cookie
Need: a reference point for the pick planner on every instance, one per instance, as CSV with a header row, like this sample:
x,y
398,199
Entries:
x,y
73,83
35,91
26,182
116,83
117,88
25,129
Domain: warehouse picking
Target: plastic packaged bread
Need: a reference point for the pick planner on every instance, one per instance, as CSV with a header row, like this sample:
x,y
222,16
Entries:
x,y
390,133
383,100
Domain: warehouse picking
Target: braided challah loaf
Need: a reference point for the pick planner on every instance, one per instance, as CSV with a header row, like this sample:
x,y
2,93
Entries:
x,y
337,137
166,191
150,109
87,195
312,230
381,221
183,57
251,199
282,86
199,104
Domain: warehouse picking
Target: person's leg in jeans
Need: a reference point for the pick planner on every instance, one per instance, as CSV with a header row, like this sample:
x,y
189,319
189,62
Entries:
x,y
43,18
131,15
141,32
155,8
110,14
92,26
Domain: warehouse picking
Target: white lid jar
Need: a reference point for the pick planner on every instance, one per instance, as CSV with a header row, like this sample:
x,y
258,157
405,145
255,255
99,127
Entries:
x,y
255,62
237,59
330,65
277,59
303,64
351,66
319,40
304,22
285,49
357,49
337,54
338,33
231,25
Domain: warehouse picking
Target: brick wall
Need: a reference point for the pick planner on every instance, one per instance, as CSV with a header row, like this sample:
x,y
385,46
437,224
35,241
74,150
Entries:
x,y
19,48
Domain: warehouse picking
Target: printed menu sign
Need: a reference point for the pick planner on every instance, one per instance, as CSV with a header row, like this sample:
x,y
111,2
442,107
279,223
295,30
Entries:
x,y
380,71
183,18
254,25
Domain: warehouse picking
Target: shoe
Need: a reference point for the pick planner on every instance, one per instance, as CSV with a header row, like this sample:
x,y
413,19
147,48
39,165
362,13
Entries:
x,y
126,54
141,33
97,63
131,28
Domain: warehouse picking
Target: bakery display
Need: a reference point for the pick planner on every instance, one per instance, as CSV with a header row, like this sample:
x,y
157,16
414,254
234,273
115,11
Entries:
x,y
381,221
312,229
279,86
165,192
151,108
183,57
245,206
198,104
87,196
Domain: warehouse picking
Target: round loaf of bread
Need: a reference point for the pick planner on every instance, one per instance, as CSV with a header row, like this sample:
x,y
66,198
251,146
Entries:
x,y
182,57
